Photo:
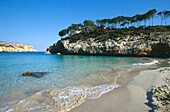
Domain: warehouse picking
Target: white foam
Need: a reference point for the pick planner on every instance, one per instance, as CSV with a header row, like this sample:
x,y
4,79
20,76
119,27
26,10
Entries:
x,y
150,63
73,94
89,92
93,92
97,91
64,100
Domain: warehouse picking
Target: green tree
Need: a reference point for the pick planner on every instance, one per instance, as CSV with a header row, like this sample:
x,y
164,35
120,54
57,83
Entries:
x,y
153,13
161,15
98,22
88,23
77,26
128,19
132,20
105,22
150,14
124,23
144,17
120,19
114,22
63,32
71,28
166,15
137,19
109,22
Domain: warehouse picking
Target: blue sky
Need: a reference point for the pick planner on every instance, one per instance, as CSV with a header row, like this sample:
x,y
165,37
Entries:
x,y
37,22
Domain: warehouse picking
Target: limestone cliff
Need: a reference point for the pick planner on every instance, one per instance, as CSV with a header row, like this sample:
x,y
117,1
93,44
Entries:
x,y
13,47
153,45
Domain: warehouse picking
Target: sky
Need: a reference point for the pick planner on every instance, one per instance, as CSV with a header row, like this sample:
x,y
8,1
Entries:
x,y
37,22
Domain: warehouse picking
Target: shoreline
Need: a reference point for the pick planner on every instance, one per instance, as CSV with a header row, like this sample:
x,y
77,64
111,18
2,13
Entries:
x,y
117,75
132,96
109,54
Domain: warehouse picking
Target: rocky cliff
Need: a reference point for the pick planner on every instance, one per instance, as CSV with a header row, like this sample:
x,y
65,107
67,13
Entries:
x,y
152,45
13,47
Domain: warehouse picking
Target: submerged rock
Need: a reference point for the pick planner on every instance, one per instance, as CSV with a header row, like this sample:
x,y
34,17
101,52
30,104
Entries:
x,y
35,74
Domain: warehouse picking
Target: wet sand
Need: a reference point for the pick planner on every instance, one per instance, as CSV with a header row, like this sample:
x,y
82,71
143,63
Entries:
x,y
132,96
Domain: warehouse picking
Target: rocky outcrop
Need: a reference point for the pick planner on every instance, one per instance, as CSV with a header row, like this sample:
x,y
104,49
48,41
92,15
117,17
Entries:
x,y
161,98
34,74
13,47
165,70
47,52
145,45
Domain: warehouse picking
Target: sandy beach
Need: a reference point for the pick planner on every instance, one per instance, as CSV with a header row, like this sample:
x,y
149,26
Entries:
x,y
84,56
128,89
133,95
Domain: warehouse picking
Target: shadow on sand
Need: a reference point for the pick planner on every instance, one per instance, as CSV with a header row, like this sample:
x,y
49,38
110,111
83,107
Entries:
x,y
150,104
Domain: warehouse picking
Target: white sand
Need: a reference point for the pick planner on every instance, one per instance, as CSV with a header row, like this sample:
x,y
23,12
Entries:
x,y
128,98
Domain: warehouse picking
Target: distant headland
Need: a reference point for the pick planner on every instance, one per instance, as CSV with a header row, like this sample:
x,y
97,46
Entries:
x,y
119,36
14,47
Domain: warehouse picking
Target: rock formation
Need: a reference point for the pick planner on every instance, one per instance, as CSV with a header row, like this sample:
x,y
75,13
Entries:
x,y
34,74
155,45
47,52
161,93
13,47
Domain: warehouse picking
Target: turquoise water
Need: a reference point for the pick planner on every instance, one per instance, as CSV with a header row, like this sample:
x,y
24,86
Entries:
x,y
64,70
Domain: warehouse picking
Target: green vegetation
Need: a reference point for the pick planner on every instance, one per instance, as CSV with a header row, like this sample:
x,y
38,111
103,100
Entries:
x,y
164,15
116,27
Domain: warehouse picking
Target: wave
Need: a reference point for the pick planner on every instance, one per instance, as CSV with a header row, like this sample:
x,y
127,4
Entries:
x,y
149,63
59,100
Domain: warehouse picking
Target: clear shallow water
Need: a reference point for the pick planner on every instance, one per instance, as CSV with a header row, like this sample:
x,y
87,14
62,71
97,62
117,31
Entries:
x,y
64,70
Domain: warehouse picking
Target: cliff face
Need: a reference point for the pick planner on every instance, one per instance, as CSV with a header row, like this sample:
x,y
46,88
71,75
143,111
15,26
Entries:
x,y
155,45
13,47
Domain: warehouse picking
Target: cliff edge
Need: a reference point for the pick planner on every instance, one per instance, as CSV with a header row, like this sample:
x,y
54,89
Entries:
x,y
118,36
13,47
153,45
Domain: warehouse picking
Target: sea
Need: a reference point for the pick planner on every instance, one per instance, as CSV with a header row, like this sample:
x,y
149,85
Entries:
x,y
83,76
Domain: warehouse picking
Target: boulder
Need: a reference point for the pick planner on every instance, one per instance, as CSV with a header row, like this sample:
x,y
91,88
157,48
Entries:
x,y
34,74
57,48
